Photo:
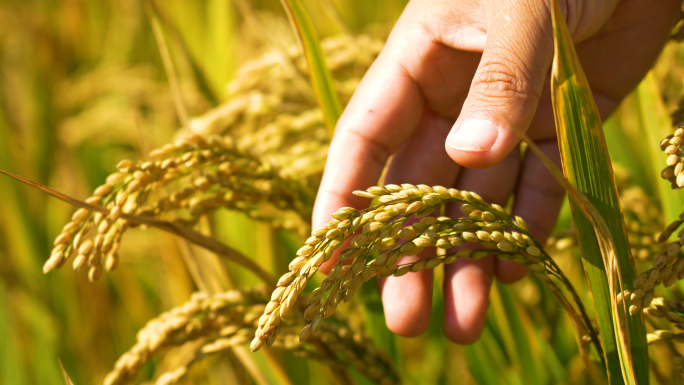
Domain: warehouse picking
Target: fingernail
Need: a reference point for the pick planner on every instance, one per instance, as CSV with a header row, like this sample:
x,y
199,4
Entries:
x,y
476,135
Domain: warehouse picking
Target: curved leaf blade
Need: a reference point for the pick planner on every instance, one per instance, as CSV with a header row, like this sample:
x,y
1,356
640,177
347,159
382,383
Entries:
x,y
587,166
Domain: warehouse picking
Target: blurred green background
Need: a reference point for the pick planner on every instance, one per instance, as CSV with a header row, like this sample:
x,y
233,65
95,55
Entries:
x,y
82,86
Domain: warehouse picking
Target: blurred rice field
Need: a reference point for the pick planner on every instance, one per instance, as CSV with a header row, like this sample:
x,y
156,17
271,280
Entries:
x,y
83,85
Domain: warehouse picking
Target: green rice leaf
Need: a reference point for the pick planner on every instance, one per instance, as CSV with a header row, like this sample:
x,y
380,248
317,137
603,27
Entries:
x,y
320,74
605,251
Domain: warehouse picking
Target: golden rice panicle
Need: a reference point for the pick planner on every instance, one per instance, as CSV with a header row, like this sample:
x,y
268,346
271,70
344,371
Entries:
x,y
668,267
344,347
381,229
184,323
670,311
94,237
230,315
671,146
318,249
232,179
228,319
213,175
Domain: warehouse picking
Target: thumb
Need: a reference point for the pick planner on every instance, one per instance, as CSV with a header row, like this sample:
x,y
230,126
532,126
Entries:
x,y
505,90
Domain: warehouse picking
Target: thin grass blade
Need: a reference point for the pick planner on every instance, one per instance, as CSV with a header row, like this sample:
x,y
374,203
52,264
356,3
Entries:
x,y
320,74
200,76
181,110
605,251
67,380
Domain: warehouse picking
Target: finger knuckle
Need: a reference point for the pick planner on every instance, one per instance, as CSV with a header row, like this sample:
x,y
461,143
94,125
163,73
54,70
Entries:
x,y
501,80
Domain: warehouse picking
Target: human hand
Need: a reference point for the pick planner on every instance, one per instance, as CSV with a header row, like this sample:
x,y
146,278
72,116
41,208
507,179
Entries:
x,y
468,73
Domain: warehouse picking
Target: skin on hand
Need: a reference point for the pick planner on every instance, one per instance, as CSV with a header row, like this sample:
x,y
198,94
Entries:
x,y
443,100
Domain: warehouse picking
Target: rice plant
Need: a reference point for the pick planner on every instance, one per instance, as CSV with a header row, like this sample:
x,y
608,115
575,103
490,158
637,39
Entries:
x,y
185,144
